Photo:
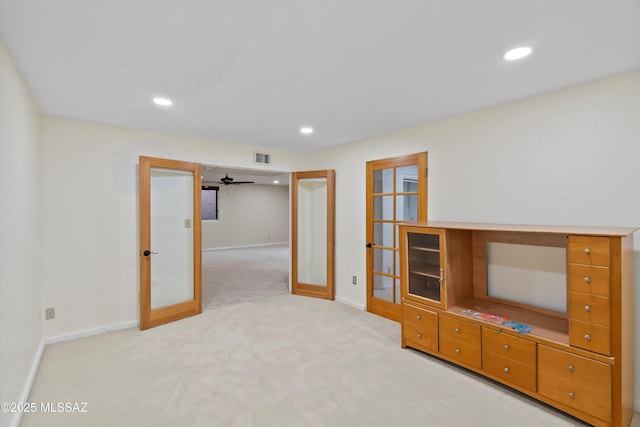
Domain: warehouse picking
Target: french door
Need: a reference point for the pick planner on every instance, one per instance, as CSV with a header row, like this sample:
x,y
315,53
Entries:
x,y
396,192
312,233
170,240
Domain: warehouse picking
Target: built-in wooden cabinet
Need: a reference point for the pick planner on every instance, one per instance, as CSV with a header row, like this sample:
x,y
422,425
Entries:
x,y
577,358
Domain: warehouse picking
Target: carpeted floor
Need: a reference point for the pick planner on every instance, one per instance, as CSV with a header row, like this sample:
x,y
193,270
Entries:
x,y
233,276
258,356
280,361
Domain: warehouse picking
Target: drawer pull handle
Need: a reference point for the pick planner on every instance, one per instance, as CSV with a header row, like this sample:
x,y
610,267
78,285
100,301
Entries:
x,y
587,279
418,335
570,368
418,317
458,351
506,370
587,251
587,337
571,395
506,347
457,329
587,308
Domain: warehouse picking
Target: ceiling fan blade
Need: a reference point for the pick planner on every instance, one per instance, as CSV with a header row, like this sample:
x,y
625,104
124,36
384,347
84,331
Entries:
x,y
242,182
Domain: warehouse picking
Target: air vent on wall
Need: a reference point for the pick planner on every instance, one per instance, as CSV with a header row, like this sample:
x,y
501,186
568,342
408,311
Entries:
x,y
262,158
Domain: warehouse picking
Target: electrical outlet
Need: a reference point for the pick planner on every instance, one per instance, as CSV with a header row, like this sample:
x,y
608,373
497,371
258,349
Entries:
x,y
354,280
49,313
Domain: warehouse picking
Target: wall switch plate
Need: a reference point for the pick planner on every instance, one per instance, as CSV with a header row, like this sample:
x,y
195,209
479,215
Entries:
x,y
354,280
49,313
187,223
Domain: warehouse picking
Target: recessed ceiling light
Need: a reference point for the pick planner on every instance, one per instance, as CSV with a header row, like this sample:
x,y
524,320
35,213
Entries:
x,y
517,53
165,102
306,130
276,181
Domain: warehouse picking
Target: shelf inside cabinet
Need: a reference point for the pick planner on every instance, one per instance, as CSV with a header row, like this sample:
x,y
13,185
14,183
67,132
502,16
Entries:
x,y
424,249
546,326
424,269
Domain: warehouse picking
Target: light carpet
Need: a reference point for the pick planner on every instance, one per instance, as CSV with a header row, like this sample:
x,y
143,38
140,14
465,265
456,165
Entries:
x,y
233,276
281,361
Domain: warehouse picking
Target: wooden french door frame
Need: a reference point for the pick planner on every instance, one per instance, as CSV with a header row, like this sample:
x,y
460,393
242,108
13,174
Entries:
x,y
381,307
326,291
154,317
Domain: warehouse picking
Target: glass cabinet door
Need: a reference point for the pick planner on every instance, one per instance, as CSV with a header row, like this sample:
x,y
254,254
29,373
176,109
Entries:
x,y
425,266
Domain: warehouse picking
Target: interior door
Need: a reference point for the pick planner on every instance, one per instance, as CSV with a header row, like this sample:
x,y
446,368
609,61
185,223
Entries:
x,y
170,241
312,233
396,192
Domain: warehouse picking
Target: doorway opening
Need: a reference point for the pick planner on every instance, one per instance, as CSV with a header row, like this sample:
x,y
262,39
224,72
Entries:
x,y
245,249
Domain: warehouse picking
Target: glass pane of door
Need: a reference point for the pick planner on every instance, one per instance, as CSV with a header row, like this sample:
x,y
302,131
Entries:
x,y
312,231
172,236
383,181
407,178
383,234
383,287
407,207
383,207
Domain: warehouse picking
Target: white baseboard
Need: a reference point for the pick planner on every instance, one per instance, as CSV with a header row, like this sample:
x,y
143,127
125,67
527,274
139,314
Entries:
x,y
350,303
17,417
91,332
244,246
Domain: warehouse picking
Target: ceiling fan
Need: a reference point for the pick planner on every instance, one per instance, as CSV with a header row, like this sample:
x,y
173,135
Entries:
x,y
227,180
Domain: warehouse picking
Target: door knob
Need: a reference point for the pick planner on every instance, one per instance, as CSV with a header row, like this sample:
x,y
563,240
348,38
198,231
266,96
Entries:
x,y
369,245
147,252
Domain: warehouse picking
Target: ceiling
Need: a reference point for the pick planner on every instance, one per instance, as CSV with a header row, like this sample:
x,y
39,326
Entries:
x,y
254,72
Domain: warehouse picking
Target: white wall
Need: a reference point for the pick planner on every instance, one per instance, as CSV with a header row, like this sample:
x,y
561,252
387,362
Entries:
x,y
249,214
90,206
570,156
21,313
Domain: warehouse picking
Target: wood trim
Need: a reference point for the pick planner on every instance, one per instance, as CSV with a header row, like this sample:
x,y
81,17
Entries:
x,y
197,237
327,291
144,171
621,253
153,317
331,232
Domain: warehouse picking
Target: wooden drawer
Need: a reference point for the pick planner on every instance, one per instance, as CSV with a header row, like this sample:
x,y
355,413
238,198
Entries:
x,y
421,318
589,308
590,336
509,370
579,396
509,346
460,330
421,338
575,381
574,368
589,279
589,250
461,351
